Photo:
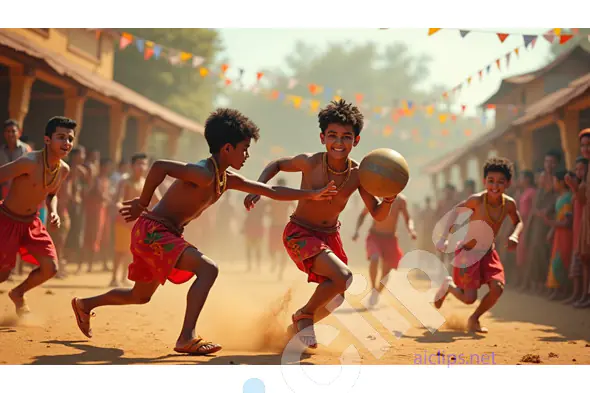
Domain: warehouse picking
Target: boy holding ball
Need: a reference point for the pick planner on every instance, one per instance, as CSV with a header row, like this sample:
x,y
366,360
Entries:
x,y
312,237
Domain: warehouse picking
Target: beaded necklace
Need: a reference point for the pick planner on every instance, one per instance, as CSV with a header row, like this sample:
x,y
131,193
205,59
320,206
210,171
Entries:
x,y
48,171
485,201
220,184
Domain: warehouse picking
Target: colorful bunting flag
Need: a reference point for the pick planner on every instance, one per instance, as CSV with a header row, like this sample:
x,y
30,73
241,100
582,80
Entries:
x,y
139,43
125,40
442,118
498,63
198,61
564,38
224,68
292,83
314,105
431,31
464,33
203,71
259,76
508,59
549,37
184,56
467,132
148,53
502,37
358,97
516,50
528,39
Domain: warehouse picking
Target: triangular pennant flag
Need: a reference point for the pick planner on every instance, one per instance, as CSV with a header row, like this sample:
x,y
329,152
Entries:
x,y
227,82
241,72
203,71
516,50
148,53
575,30
442,118
488,68
445,95
292,83
157,51
431,31
533,43
467,132
410,104
469,81
358,97
454,118
463,107
502,36
197,61
388,130
274,94
297,101
480,73
565,38
312,88
498,63
508,59
314,105
224,68
184,56
491,106
549,37
336,98
259,75
528,39
557,31
139,42
174,59
464,33
125,40
430,110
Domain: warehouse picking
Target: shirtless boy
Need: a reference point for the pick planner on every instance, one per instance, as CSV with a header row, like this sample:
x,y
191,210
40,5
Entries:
x,y
129,188
35,177
312,237
382,243
476,261
279,216
158,247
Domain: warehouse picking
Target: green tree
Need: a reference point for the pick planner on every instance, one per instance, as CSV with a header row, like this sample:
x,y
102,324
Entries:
x,y
180,88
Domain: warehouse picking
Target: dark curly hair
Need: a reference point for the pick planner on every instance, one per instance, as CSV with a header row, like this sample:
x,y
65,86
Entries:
x,y
499,164
59,121
560,175
228,126
343,113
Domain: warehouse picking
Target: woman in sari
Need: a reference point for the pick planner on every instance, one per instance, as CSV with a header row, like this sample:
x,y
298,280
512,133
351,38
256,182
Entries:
x,y
525,204
561,232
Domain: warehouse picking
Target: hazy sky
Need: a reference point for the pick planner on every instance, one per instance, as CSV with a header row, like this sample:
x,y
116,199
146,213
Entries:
x,y
454,58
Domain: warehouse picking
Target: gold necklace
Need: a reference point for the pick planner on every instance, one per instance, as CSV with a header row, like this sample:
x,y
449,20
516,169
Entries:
x,y
220,184
51,172
485,201
327,169
332,171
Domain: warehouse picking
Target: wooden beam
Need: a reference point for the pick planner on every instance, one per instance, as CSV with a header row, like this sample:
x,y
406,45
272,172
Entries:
x,y
144,129
579,103
524,150
9,62
21,84
55,80
117,130
75,100
102,98
568,133
540,123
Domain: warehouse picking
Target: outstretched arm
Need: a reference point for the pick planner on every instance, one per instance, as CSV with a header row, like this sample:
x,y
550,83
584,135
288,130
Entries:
x,y
20,166
379,210
359,223
279,193
469,203
191,173
407,219
297,163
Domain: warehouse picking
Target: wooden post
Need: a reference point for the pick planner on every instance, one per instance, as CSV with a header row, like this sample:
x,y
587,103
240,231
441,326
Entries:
x,y
434,183
117,131
172,146
463,170
21,83
144,129
568,132
524,150
74,108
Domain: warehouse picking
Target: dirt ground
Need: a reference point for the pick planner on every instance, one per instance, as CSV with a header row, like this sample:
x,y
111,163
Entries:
x,y
248,312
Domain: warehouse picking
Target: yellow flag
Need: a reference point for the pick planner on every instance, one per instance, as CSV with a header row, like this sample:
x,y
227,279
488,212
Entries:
x,y
184,56
442,118
557,31
336,98
297,101
431,30
430,110
314,105
388,130
203,71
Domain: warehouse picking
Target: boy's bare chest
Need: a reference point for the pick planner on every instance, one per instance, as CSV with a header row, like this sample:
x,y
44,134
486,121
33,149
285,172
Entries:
x,y
346,184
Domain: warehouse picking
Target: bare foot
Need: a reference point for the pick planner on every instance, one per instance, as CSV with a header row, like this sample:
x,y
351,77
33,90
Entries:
x,y
442,293
473,325
196,346
19,303
82,317
304,330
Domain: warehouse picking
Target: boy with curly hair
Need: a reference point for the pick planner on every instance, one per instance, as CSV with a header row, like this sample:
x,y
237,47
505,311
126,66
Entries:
x,y
159,250
312,237
476,260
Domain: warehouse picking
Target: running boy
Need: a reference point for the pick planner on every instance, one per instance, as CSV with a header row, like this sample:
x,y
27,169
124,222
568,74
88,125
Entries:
x,y
35,177
312,237
476,261
382,243
158,247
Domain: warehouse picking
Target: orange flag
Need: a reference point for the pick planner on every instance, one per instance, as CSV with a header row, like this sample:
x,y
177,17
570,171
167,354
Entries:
x,y
184,56
224,68
491,106
516,51
468,132
259,75
498,63
442,118
445,132
227,82
564,38
312,88
502,36
203,71
358,97
431,31
454,117
274,94
388,130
